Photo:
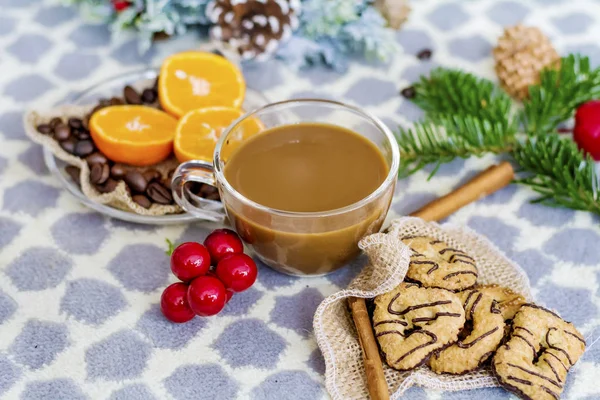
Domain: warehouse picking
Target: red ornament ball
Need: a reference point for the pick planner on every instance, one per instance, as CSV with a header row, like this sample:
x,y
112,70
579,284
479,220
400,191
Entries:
x,y
190,260
207,296
587,128
120,5
222,242
237,272
174,303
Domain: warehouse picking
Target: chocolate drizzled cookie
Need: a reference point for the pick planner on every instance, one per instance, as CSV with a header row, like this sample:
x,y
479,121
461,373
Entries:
x,y
434,263
536,359
411,322
478,339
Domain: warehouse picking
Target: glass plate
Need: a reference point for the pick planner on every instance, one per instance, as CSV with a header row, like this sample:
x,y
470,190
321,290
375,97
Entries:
x,y
114,87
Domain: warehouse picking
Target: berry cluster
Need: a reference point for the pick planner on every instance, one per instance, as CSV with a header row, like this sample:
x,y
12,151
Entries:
x,y
204,291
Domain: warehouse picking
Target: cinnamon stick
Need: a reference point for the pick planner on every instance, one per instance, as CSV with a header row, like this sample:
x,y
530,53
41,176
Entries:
x,y
376,382
492,179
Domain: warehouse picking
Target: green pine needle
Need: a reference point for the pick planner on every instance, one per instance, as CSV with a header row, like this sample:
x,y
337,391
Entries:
x,y
455,92
445,138
556,169
559,93
469,116
465,116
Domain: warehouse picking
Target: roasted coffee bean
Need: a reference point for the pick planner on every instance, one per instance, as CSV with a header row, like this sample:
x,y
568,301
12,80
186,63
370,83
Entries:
x,y
194,187
73,173
213,196
116,101
424,54
207,190
83,135
44,129
151,175
99,173
75,123
155,84
136,181
55,121
86,121
84,148
142,200
104,102
95,109
118,171
148,96
170,174
408,92
107,186
96,158
68,145
131,96
159,194
62,132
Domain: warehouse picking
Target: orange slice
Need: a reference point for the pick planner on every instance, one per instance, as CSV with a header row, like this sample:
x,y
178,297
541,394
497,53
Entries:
x,y
199,130
195,79
135,135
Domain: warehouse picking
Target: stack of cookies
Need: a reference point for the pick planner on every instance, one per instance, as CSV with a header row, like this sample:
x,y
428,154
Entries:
x,y
441,317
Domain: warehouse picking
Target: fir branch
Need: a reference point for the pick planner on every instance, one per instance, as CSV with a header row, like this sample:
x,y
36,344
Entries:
x,y
559,93
468,116
465,116
443,138
556,169
449,91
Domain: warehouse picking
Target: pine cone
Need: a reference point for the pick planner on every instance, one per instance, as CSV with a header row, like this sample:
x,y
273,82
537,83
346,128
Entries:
x,y
254,27
521,54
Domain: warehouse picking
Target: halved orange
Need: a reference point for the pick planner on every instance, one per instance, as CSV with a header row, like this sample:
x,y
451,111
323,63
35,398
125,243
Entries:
x,y
134,135
196,79
199,130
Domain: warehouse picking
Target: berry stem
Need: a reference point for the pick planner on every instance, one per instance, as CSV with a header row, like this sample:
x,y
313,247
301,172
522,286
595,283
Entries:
x,y
171,248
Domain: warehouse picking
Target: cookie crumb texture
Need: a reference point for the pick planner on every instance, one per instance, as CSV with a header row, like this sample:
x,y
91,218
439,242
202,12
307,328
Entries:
x,y
536,359
412,322
507,301
434,263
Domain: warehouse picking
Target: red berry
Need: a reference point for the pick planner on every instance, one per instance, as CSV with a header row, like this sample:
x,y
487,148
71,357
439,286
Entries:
x,y
222,242
174,303
229,295
190,260
587,128
120,5
207,296
237,272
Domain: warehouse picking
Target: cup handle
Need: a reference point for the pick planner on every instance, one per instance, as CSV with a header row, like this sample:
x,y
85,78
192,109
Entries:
x,y
200,172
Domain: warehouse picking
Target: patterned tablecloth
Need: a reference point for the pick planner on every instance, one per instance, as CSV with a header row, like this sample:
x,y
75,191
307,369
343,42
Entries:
x,y
79,292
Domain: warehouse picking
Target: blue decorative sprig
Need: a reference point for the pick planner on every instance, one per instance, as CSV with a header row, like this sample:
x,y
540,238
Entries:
x,y
330,32
333,31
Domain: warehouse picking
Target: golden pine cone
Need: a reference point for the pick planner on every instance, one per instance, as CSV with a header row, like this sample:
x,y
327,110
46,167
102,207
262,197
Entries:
x,y
395,12
521,54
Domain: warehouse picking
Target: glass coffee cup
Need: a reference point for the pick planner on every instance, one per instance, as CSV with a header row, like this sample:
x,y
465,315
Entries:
x,y
295,243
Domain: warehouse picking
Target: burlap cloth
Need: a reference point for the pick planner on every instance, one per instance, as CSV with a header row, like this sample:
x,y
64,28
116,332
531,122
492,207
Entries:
x,y
119,198
388,261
